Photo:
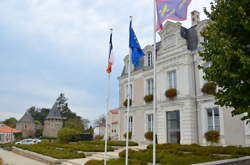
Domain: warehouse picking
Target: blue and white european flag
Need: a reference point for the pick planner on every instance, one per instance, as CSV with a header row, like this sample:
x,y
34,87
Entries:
x,y
136,51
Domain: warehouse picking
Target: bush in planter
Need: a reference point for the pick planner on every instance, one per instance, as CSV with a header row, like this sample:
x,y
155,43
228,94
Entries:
x,y
209,88
170,93
125,103
99,137
129,135
149,98
149,135
212,136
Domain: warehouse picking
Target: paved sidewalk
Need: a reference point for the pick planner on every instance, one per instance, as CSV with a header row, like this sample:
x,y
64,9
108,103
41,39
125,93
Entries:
x,y
11,158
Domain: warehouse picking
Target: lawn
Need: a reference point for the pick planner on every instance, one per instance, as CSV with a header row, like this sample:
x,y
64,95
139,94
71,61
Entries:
x,y
175,154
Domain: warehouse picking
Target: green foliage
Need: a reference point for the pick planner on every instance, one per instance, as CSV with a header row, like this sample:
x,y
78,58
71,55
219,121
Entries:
x,y
125,103
129,135
229,150
228,52
171,93
11,122
48,137
149,98
209,88
7,146
55,152
39,114
74,123
212,136
149,135
98,137
110,143
120,161
67,134
74,147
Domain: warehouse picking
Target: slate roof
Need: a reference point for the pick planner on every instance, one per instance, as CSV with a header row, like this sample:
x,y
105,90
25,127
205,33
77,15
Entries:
x,y
27,117
54,113
191,37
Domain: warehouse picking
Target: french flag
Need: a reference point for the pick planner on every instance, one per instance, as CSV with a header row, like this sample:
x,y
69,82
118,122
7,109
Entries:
x,y
110,59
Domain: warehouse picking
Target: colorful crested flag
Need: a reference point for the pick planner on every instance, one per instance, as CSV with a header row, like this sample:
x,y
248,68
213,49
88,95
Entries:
x,y
136,51
110,59
171,9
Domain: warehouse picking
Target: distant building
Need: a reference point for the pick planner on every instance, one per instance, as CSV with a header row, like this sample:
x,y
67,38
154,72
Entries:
x,y
114,124
99,130
27,125
7,134
53,122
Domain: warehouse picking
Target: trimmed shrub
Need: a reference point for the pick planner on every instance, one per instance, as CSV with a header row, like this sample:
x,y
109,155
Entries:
x,y
209,88
98,137
129,135
212,136
171,93
125,103
67,134
149,98
120,161
110,143
149,135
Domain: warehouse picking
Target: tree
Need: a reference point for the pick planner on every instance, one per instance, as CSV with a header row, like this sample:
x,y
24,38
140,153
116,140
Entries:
x,y
100,121
86,123
228,52
39,114
67,134
11,122
74,123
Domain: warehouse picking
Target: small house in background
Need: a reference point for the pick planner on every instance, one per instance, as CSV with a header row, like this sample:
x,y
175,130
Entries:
x,y
99,130
114,124
7,134
27,125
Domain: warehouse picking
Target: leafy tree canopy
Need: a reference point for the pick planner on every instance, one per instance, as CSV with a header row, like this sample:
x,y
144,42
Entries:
x,y
228,52
11,122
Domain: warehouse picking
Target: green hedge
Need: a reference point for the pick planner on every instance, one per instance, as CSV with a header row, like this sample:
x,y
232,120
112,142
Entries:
x,y
58,153
229,150
120,161
172,157
110,143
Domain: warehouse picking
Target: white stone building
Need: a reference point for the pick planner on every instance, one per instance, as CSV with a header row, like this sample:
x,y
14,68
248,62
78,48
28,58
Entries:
x,y
113,124
186,118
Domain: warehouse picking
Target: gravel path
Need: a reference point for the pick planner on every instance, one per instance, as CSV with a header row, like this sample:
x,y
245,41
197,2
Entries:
x,y
11,158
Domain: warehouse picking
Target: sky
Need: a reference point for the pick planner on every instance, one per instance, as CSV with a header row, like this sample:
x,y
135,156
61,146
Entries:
x,y
48,47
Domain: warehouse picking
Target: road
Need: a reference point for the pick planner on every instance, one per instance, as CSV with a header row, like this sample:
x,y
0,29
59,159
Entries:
x,y
11,158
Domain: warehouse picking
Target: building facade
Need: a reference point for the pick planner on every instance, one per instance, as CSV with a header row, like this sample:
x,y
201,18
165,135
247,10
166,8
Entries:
x,y
7,134
53,122
113,119
27,125
191,113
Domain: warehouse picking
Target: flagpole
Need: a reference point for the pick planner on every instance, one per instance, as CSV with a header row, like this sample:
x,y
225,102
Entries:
x,y
128,101
107,109
154,87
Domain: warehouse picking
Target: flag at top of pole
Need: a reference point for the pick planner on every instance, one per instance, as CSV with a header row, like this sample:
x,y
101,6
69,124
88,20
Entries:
x,y
136,51
110,59
171,9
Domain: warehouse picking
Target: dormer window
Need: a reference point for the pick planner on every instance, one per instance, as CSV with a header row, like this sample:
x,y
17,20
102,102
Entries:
x,y
150,58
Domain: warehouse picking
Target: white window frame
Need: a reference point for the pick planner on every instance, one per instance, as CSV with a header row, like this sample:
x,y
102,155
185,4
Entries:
x,y
149,126
150,86
150,59
213,119
172,79
131,91
130,124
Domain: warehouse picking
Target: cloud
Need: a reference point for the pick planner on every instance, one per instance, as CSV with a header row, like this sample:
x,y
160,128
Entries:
x,y
53,46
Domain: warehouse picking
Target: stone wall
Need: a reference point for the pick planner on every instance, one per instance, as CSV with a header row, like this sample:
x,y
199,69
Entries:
x,y
28,128
51,127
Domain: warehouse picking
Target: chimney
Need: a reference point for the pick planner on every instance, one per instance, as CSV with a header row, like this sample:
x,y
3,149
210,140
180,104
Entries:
x,y
195,16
